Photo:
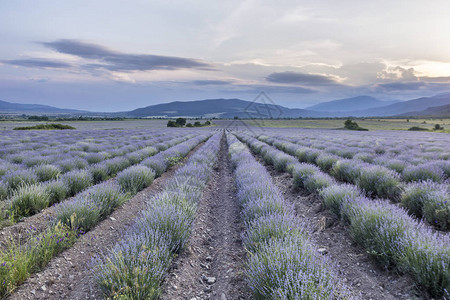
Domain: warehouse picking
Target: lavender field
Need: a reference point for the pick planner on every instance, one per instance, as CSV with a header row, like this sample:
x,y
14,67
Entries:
x,y
224,212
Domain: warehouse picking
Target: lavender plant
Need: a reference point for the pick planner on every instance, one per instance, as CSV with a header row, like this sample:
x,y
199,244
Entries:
x,y
303,171
333,196
428,171
162,230
77,181
282,263
135,178
3,190
57,191
317,181
28,200
380,181
16,178
46,172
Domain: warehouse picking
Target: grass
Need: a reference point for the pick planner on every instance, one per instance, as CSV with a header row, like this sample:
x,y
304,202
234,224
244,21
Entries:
x,y
17,261
369,123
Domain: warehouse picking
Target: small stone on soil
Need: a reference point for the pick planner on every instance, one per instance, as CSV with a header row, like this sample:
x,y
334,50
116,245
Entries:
x,y
322,251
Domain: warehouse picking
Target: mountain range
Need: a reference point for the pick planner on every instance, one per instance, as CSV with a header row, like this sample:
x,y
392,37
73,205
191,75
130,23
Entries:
x,y
350,104
8,107
361,106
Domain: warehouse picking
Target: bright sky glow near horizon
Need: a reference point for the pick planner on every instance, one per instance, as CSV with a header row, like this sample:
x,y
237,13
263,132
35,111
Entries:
x,y
111,55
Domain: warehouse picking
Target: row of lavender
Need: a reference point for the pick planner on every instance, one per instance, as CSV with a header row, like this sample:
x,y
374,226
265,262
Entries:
x,y
423,198
384,229
283,263
30,198
35,166
413,159
49,148
49,142
414,147
80,214
137,265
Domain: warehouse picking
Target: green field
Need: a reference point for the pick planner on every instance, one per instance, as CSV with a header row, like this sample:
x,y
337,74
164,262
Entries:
x,y
371,124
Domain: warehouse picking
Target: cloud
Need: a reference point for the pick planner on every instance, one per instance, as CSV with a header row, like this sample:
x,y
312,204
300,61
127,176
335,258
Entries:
x,y
398,73
442,79
122,62
211,82
300,78
285,89
275,89
37,63
400,86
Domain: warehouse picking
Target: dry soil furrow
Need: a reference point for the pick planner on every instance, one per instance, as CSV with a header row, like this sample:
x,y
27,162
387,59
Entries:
x,y
68,275
212,265
359,271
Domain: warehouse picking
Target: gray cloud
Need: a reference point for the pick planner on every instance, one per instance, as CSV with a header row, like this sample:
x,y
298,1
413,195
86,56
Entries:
x,y
301,78
400,86
443,79
276,89
37,63
211,82
285,89
399,73
117,61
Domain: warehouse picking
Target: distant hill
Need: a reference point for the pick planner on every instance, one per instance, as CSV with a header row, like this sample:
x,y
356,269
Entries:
x,y
404,107
230,108
220,108
435,111
350,104
8,107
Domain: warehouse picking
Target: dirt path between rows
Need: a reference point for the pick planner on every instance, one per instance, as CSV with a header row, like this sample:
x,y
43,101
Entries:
x,y
212,265
68,275
363,275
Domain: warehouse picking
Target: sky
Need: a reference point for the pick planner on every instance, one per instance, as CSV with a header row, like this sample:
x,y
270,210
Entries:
x,y
116,55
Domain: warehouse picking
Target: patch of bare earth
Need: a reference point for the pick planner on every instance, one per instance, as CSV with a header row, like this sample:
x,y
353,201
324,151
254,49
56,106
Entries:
x,y
212,265
68,275
360,271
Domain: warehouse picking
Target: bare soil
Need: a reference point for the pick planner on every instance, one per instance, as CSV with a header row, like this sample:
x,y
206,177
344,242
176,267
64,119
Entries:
x,y
68,275
215,249
360,271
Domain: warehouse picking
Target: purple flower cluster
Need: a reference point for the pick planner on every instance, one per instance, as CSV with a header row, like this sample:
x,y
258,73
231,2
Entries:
x,y
81,177
429,200
426,171
136,266
282,262
388,232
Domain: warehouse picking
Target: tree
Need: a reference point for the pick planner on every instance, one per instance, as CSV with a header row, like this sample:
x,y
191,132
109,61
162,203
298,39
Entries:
x,y
188,125
438,127
207,123
349,124
352,125
180,122
172,124
197,124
